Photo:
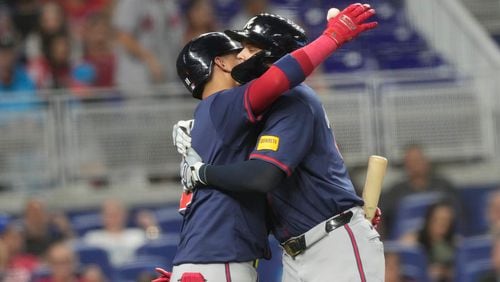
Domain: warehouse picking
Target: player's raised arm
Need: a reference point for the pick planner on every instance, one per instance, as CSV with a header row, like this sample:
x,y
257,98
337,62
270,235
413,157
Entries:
x,y
293,69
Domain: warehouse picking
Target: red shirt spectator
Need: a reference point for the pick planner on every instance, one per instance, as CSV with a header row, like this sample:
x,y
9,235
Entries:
x,y
62,263
18,264
97,50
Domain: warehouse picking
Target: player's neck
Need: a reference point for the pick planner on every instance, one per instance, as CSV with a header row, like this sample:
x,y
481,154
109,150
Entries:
x,y
219,81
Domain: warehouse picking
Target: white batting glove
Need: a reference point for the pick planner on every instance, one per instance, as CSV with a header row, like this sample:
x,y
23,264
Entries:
x,y
190,170
181,135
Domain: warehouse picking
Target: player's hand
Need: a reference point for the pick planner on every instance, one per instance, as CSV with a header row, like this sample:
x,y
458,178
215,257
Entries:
x,y
377,217
164,275
190,170
181,135
349,23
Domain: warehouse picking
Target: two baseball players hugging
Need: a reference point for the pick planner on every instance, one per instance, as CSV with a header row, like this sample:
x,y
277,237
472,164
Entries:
x,y
260,157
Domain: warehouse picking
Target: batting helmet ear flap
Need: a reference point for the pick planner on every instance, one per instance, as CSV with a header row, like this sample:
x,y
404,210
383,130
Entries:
x,y
196,60
252,68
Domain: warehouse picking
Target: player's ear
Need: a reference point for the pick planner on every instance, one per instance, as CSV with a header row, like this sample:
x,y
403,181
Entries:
x,y
222,64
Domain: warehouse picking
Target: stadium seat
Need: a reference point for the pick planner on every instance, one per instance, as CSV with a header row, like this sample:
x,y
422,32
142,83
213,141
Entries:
x,y
402,38
475,204
414,263
169,219
474,270
86,222
286,2
132,271
411,211
401,59
313,20
412,260
271,270
93,255
164,247
225,9
345,60
472,250
386,13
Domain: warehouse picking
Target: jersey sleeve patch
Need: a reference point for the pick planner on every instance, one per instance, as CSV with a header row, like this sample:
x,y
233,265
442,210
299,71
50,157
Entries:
x,y
268,142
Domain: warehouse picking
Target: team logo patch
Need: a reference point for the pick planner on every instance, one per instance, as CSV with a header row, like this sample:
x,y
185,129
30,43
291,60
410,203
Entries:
x,y
268,142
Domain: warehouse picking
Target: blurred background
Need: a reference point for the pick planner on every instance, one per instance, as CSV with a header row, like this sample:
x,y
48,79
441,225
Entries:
x,y
88,96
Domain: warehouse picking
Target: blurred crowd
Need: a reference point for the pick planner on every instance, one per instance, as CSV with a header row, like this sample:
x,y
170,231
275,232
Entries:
x,y
424,211
79,44
421,212
40,245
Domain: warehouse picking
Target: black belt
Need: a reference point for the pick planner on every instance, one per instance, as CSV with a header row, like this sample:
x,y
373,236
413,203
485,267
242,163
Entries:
x,y
296,245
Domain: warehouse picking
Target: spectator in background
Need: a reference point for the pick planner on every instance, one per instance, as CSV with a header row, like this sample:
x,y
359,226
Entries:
x,y
52,21
43,229
93,273
62,263
420,178
54,69
493,211
119,242
149,37
6,24
146,220
494,274
393,270
13,77
25,15
200,18
77,12
438,238
15,264
97,52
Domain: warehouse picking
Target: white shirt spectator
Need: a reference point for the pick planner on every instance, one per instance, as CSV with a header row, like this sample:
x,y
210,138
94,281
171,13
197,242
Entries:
x,y
120,247
156,25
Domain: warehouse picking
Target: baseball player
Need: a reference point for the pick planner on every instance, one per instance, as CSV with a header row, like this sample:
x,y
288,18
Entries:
x,y
316,214
223,233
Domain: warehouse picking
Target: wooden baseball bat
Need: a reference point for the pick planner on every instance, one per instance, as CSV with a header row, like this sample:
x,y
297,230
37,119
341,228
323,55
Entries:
x,y
377,166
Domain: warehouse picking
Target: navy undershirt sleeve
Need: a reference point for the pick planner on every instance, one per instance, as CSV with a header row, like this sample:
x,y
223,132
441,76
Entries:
x,y
247,176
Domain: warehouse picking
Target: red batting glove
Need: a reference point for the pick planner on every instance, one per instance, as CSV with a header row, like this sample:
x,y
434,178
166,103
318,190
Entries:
x,y
377,218
164,275
349,23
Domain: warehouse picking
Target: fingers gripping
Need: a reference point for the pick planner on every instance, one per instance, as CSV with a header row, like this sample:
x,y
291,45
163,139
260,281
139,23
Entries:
x,y
164,275
365,15
349,23
358,10
181,135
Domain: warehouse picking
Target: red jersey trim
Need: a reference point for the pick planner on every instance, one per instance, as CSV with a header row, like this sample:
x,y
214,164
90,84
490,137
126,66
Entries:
x,y
272,160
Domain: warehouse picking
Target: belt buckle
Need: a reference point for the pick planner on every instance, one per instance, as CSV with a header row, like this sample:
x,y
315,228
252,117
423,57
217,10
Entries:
x,y
293,247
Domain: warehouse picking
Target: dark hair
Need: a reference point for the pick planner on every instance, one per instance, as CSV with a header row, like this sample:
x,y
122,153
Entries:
x,y
423,235
48,42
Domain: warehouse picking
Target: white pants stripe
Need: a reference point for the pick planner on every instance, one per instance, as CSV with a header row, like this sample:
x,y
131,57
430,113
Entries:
x,y
351,253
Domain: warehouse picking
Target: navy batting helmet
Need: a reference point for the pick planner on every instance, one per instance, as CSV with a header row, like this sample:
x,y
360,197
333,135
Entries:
x,y
195,61
274,34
